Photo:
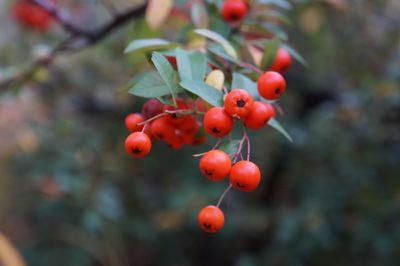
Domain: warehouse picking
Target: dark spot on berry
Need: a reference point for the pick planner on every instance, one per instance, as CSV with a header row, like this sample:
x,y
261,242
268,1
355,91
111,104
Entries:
x,y
216,130
160,136
277,91
235,16
240,103
174,116
240,185
136,150
206,225
209,173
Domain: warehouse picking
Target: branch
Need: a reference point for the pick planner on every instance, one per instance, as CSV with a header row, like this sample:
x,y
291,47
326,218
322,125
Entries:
x,y
79,39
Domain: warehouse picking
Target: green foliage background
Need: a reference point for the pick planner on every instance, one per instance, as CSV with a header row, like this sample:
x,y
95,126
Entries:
x,y
70,196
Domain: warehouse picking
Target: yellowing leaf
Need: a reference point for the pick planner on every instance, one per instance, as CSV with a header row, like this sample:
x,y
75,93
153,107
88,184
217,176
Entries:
x,y
157,12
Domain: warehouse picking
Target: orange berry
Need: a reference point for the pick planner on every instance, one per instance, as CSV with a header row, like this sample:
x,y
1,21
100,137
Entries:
x,y
138,144
245,176
271,85
238,102
217,122
215,165
260,114
282,62
132,120
211,219
161,129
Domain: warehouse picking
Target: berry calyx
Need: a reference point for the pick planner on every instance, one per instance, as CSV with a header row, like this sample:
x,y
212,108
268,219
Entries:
x,y
238,102
138,144
245,176
260,114
271,85
215,165
282,62
211,219
176,119
132,121
234,10
217,122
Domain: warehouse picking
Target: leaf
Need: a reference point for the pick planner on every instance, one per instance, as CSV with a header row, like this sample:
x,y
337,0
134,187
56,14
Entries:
x,y
167,73
295,54
243,82
204,91
191,65
150,85
146,45
219,51
275,124
280,3
157,12
199,15
269,53
230,146
219,39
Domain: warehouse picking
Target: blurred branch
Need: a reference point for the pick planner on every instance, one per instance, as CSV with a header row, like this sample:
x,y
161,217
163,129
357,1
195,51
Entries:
x,y
79,38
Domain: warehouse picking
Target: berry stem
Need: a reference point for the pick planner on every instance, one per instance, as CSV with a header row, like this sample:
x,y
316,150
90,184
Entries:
x,y
250,66
180,111
223,195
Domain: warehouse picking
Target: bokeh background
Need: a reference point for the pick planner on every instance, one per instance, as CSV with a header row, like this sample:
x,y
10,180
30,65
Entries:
x,y
69,195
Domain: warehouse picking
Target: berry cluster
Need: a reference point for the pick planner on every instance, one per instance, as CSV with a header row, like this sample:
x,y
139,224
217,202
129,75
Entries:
x,y
31,15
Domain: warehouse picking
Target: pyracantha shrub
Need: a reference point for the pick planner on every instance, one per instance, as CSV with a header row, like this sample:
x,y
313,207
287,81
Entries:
x,y
196,93
31,16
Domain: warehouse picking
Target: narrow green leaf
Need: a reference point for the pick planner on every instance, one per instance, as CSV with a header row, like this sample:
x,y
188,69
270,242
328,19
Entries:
x,y
219,39
243,82
191,65
275,124
204,91
150,85
147,45
219,51
167,73
269,53
199,15
230,146
295,54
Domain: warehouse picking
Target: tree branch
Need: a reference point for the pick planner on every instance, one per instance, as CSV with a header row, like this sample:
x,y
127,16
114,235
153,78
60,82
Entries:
x,y
78,36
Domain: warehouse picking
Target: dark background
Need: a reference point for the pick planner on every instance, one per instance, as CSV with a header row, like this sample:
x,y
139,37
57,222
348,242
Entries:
x,y
69,195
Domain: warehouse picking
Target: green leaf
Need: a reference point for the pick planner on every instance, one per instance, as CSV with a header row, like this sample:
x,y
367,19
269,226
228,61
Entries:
x,y
295,54
199,15
219,51
150,85
147,45
167,73
204,91
275,124
243,82
269,53
219,39
230,146
191,65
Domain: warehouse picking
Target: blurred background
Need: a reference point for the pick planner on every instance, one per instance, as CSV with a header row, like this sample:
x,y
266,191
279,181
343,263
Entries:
x,y
69,195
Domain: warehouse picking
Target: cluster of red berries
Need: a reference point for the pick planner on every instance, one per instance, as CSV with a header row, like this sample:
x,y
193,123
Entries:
x,y
31,15
234,10
176,126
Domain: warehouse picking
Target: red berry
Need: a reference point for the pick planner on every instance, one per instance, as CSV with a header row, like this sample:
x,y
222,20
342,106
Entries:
x,y
176,142
211,219
234,10
161,129
245,176
152,108
176,119
217,122
138,144
132,120
31,15
238,102
215,165
271,85
282,61
260,114
189,124
172,61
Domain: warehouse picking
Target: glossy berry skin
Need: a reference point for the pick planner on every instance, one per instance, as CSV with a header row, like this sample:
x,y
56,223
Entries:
x,y
152,108
260,114
132,120
31,15
245,176
234,10
174,118
271,85
211,219
215,165
138,144
161,129
217,122
238,102
282,62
